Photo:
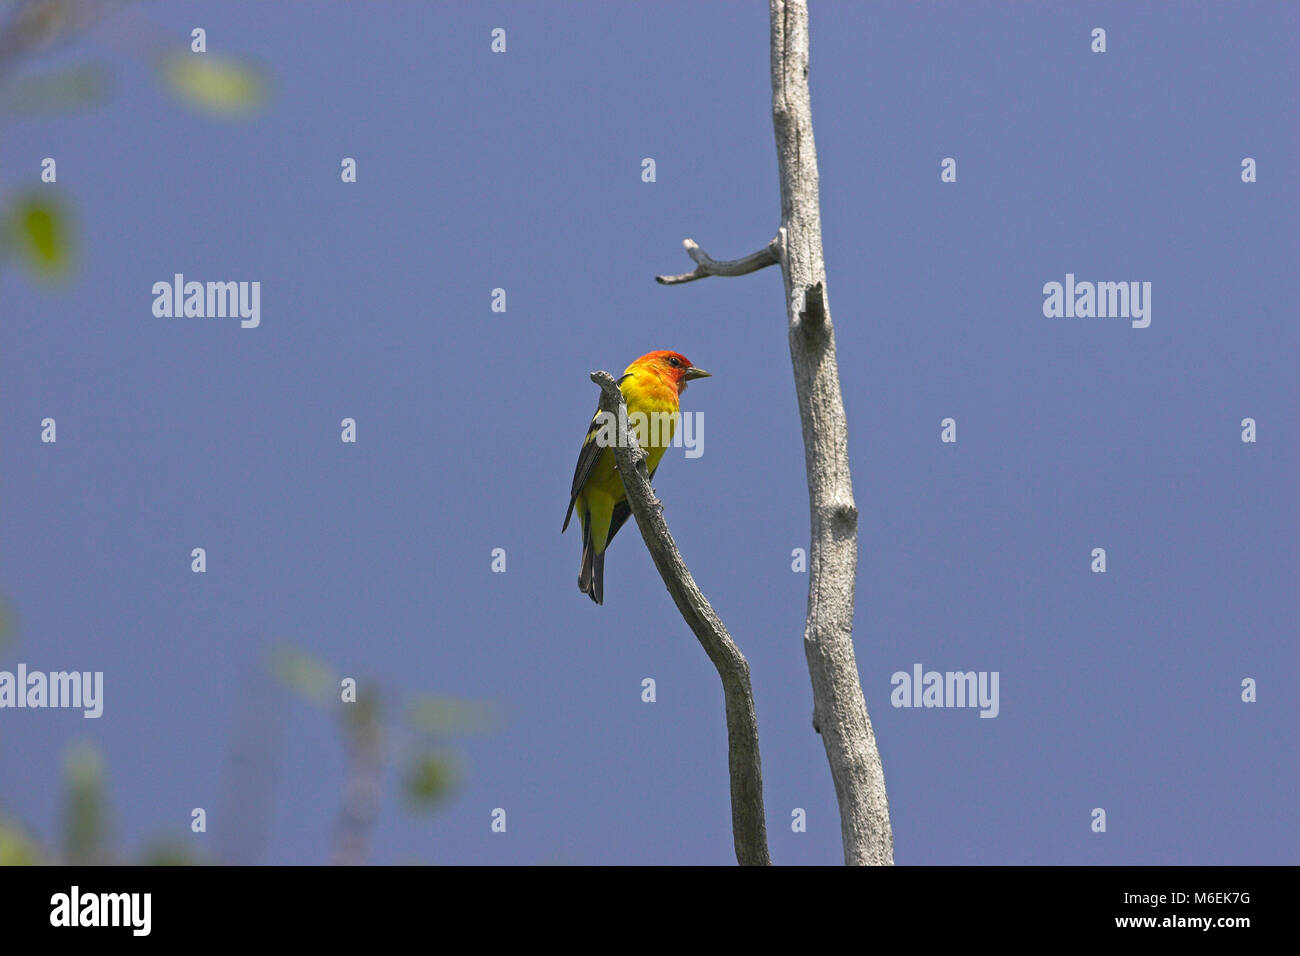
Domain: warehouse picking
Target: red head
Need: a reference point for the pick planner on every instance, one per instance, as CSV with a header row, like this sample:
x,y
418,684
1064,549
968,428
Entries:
x,y
672,367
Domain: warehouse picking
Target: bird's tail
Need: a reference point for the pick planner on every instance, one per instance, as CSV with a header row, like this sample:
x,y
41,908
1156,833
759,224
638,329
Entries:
x,y
591,579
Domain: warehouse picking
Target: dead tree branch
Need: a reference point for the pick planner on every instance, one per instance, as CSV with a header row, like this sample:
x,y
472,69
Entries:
x,y
706,266
749,827
839,708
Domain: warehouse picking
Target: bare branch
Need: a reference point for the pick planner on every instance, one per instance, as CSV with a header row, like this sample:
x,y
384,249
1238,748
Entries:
x,y
769,255
839,709
748,824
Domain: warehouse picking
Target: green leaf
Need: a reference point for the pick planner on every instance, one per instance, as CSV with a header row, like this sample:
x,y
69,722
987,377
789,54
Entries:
x,y
40,229
85,826
429,779
303,674
215,84
447,716
16,848
57,92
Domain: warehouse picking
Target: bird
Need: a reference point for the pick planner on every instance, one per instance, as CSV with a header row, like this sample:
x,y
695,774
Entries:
x,y
652,384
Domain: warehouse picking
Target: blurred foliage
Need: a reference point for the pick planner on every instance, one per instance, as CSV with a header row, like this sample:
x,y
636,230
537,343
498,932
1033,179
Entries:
x,y
363,717
59,92
17,848
303,674
217,85
39,231
429,778
441,716
37,26
85,816
85,835
37,228
169,852
429,774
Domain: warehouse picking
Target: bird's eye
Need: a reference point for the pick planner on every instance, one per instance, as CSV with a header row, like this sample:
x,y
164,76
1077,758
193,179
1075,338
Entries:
x,y
674,363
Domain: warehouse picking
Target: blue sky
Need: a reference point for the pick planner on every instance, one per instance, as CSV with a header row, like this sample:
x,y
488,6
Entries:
x,y
522,171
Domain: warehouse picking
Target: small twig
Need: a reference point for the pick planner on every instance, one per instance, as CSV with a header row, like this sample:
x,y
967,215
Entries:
x,y
748,824
769,255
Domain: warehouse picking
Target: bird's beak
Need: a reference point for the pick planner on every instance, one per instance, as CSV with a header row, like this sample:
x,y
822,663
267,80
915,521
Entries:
x,y
694,372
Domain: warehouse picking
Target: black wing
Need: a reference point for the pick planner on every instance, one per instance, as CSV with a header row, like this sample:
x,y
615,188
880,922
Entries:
x,y
587,459
622,511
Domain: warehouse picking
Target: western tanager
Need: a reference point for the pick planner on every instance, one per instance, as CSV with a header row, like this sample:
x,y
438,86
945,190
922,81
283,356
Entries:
x,y
650,386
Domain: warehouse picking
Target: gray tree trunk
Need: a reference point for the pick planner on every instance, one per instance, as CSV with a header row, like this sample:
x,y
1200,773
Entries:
x,y
839,709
